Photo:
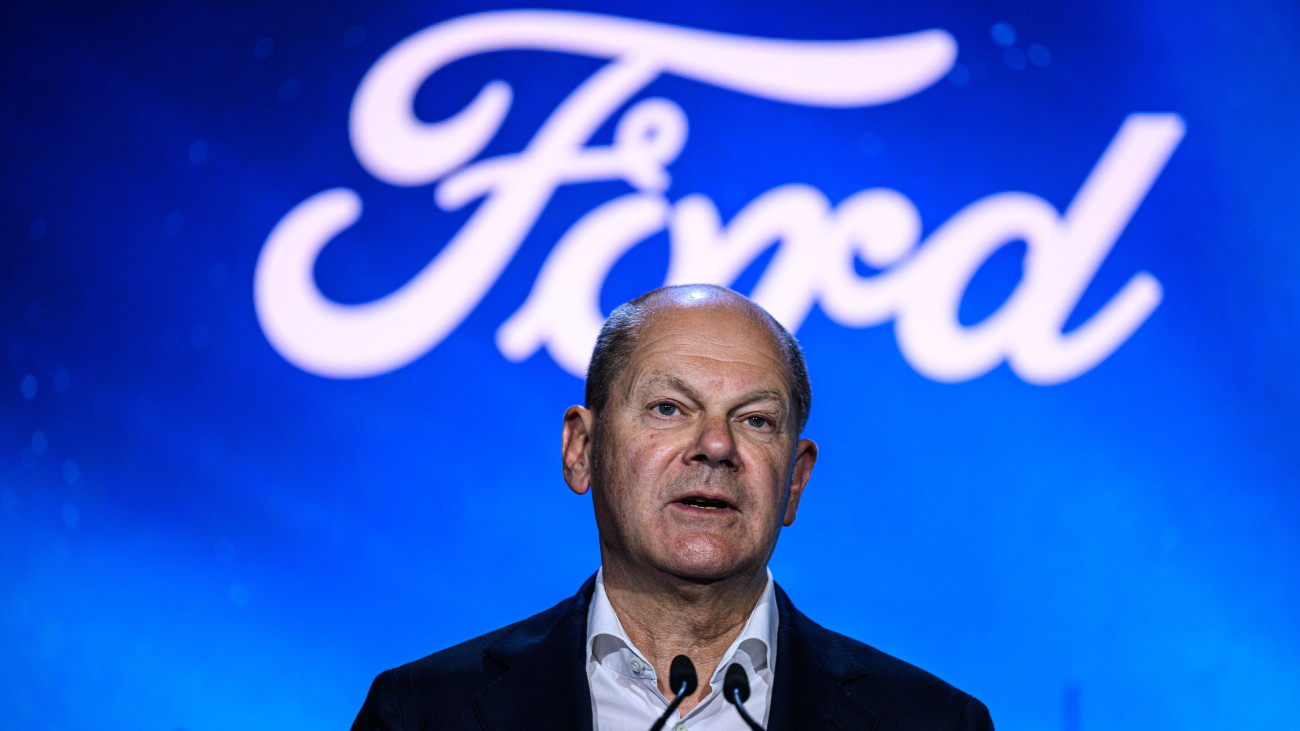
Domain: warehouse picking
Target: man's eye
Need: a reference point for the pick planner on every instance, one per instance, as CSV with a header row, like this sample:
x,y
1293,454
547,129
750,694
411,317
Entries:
x,y
757,422
667,409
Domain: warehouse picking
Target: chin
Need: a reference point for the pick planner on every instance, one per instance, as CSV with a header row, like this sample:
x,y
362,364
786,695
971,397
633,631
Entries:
x,y
704,560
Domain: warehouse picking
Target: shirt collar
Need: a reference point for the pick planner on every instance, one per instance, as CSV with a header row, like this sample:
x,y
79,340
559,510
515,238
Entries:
x,y
755,646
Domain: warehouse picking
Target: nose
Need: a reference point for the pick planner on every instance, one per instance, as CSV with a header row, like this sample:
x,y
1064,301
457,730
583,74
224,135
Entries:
x,y
715,444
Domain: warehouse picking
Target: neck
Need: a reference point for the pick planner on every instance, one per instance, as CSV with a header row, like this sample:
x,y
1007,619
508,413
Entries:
x,y
666,616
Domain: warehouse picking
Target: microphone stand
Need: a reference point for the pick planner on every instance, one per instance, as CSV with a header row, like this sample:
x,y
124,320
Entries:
x,y
681,675
735,688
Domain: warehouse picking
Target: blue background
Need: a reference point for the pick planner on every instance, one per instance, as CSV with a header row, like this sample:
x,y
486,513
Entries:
x,y
196,534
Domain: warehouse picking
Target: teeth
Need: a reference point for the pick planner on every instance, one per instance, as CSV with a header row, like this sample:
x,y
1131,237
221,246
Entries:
x,y
705,504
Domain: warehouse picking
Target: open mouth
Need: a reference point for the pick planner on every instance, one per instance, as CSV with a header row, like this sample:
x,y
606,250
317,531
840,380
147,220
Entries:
x,y
704,503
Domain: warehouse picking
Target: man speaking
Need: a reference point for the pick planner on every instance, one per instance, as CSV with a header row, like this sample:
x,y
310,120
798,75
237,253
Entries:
x,y
690,444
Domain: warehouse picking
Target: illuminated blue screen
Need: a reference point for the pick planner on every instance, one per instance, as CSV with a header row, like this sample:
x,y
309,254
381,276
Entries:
x,y
286,350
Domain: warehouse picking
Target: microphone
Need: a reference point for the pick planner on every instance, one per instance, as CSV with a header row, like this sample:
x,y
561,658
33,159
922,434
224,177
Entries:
x,y
681,675
735,688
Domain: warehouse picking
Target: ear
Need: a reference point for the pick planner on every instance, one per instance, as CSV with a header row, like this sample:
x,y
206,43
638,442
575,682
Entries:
x,y
804,457
579,431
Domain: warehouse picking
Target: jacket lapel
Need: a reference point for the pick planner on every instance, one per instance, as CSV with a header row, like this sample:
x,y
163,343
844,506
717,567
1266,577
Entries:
x,y
544,680
811,676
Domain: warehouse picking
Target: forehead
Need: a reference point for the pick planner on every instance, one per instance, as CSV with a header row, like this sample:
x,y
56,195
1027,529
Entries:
x,y
715,345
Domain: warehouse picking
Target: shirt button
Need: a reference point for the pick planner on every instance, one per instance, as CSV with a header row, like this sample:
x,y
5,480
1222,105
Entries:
x,y
680,727
638,665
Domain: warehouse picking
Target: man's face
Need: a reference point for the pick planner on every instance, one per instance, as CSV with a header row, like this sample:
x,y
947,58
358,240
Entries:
x,y
697,465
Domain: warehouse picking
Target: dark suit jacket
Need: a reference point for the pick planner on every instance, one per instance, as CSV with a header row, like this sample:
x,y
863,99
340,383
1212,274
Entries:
x,y
533,675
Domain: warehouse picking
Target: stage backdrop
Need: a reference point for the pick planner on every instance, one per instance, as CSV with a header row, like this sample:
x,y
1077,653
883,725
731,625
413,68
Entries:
x,y
294,297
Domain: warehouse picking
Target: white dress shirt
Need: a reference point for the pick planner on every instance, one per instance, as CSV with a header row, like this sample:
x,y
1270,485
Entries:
x,y
625,693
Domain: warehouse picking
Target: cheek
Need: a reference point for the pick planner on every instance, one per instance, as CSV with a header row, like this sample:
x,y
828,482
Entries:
x,y
775,472
654,451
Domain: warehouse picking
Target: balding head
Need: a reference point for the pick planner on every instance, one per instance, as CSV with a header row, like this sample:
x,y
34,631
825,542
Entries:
x,y
618,339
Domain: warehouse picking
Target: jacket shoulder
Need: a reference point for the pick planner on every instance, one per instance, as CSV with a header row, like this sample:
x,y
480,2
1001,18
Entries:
x,y
896,693
433,692
479,660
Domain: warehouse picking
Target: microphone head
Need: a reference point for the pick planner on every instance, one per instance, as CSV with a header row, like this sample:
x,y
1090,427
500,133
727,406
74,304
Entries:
x,y
736,680
682,671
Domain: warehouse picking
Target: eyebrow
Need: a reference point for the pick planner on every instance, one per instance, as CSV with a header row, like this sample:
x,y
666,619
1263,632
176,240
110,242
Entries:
x,y
765,393
674,382
660,378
